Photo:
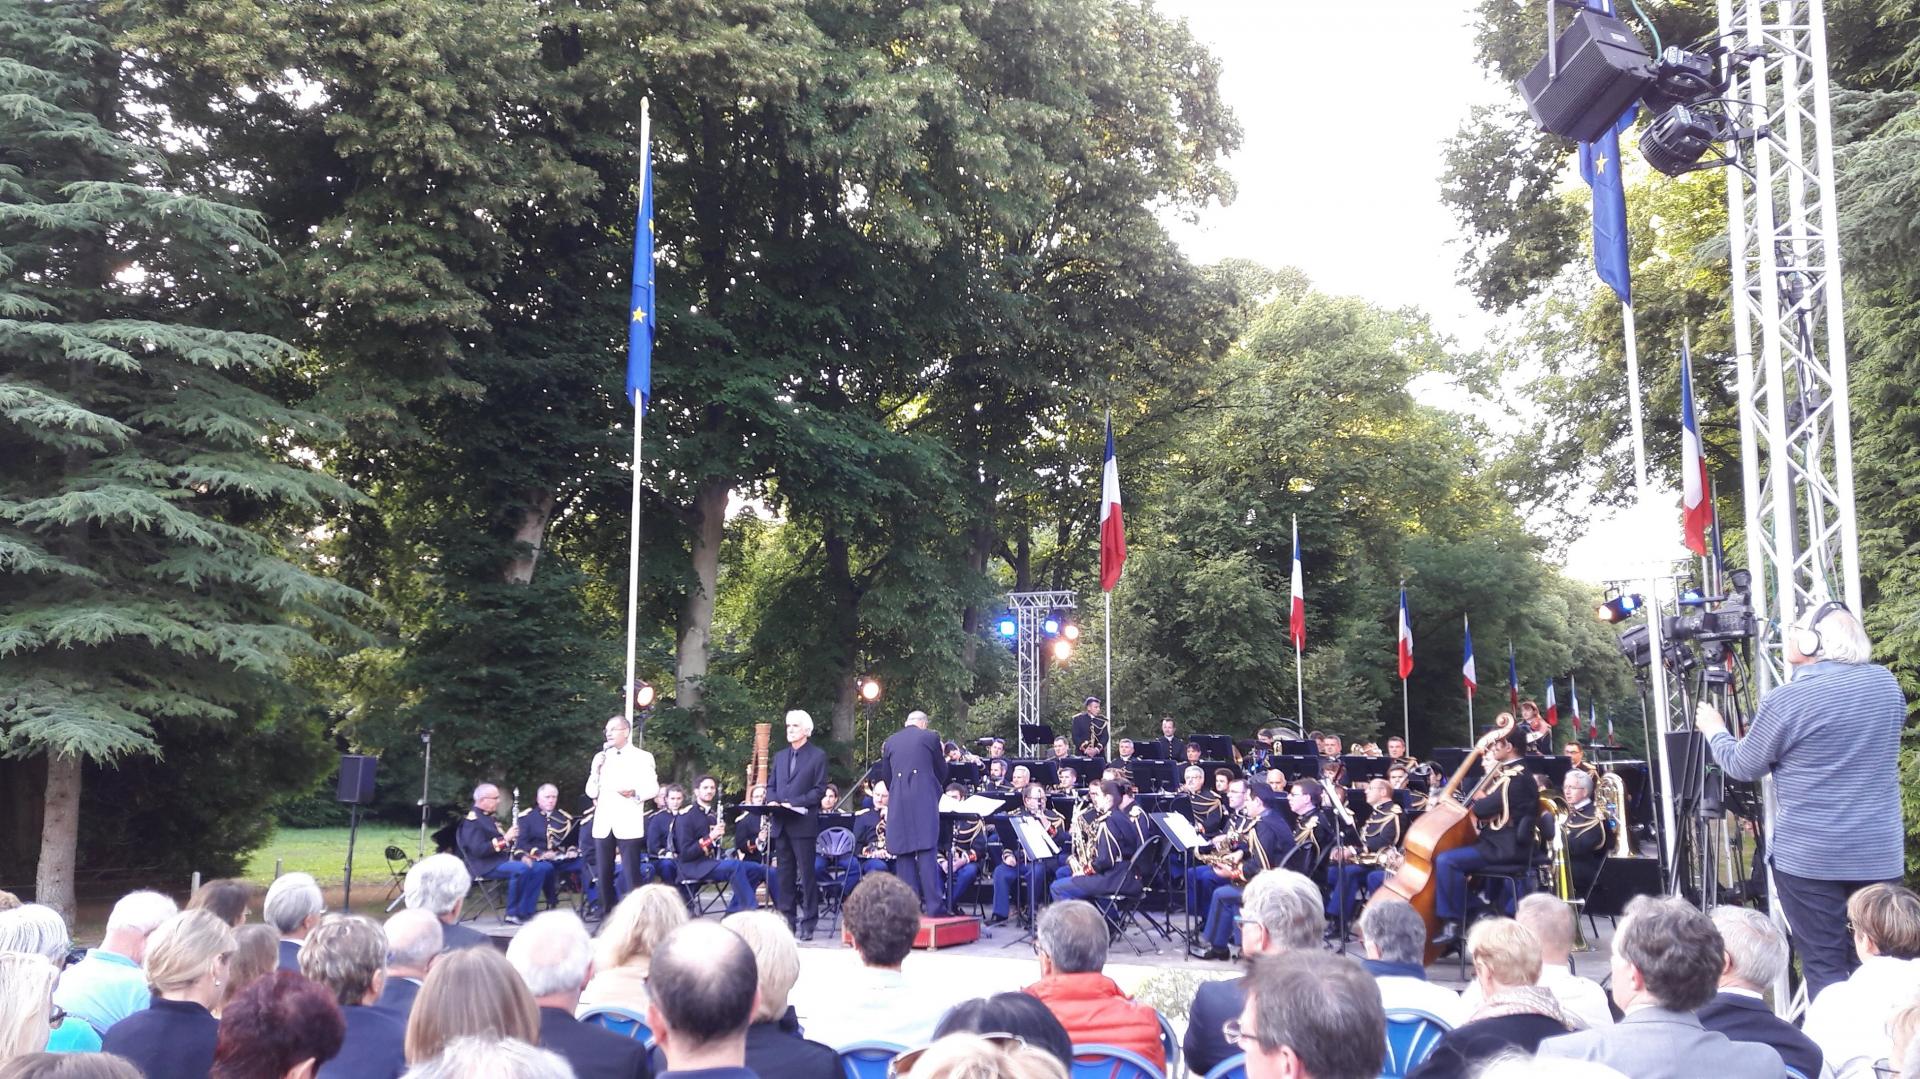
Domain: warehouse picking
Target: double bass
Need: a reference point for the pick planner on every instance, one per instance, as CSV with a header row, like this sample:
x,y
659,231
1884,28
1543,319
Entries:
x,y
1447,823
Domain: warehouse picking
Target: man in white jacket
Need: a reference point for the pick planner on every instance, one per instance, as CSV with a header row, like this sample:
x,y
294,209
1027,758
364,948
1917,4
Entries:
x,y
621,781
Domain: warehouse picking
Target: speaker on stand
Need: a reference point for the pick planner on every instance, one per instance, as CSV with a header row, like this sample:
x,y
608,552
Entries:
x,y
356,790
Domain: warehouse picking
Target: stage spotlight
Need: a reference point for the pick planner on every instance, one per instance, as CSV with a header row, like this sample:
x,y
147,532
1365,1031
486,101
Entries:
x,y
1618,608
643,695
1062,650
869,689
1677,139
1009,628
1070,631
1051,626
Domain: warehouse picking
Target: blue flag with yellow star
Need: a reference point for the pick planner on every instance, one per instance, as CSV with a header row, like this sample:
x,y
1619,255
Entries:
x,y
1600,168
640,321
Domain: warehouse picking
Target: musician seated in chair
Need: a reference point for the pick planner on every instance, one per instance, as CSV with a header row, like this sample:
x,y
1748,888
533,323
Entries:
x,y
1316,830
1103,868
1354,866
848,863
1221,864
550,834
489,855
750,868
1588,830
870,833
1268,844
663,847
1015,865
1505,805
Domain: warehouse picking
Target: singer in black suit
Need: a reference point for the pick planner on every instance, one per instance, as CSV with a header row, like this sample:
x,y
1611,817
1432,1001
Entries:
x,y
916,769
797,781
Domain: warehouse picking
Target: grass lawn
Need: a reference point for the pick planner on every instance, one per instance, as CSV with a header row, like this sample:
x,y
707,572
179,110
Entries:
x,y
323,853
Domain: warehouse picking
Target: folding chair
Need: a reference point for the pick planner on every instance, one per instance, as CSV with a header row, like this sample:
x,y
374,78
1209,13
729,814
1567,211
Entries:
x,y
1112,1062
1411,1036
397,864
1122,908
492,902
868,1060
834,844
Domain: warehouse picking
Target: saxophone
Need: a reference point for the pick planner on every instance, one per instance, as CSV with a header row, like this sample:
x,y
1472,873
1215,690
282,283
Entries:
x,y
1612,796
1085,828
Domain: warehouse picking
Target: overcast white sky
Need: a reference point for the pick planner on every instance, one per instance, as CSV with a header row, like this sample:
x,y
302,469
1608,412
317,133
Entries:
x,y
1344,106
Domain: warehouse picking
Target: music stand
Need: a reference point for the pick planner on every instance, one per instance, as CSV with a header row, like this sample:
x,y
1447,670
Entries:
x,y
1030,837
1213,747
1181,837
1035,734
1297,747
1363,768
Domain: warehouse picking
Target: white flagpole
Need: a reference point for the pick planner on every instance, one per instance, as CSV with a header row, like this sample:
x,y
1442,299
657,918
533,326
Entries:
x,y
1633,402
639,408
1113,717
1299,687
1406,722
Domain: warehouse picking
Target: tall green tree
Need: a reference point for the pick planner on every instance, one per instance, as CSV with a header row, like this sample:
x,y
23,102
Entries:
x,y
149,573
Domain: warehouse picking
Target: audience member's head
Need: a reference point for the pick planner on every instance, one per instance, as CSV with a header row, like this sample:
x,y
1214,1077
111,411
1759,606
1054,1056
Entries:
x,y
414,937
438,884
1312,1014
1903,1030
552,954
1667,953
227,898
882,915
35,929
970,1056
1505,955
1886,921
256,953
470,991
1283,911
1071,938
475,1057
775,956
1393,931
1020,1014
1756,950
26,1002
294,905
282,1026
134,918
702,995
647,916
69,1066
1550,919
347,955
187,957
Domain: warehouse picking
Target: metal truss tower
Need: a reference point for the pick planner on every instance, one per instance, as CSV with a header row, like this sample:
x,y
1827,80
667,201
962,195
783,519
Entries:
x,y
1029,610
1796,445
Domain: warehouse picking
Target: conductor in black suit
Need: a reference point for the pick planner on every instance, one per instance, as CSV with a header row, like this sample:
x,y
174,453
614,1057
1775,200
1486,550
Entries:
x,y
916,771
797,781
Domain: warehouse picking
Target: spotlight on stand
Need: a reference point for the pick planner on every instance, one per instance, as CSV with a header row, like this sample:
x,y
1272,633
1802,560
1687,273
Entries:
x,y
1070,631
1051,624
1676,140
1008,628
1062,649
643,695
1617,607
869,689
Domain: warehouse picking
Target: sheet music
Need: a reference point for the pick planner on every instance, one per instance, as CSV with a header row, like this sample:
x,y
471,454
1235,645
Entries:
x,y
1182,829
1035,835
979,805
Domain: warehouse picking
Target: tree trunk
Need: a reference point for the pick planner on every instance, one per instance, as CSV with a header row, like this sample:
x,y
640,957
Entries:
x,y
59,835
536,510
696,613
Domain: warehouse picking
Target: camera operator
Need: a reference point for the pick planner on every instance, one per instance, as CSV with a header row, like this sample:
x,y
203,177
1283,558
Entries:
x,y
1831,739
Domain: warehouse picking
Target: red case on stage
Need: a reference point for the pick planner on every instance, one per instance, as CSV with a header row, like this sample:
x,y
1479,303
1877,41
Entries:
x,y
937,933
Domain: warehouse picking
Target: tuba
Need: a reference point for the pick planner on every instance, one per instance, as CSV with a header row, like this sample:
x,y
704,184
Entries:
x,y
1612,796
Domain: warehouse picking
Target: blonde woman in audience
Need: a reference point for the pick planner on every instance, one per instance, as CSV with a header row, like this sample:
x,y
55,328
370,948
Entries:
x,y
26,1002
1514,1012
972,1056
626,943
472,991
1902,1028
1848,1020
39,930
775,1047
68,1066
491,1058
186,966
256,953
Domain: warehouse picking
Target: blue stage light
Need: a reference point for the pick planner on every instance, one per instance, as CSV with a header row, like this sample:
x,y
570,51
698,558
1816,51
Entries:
x,y
1009,628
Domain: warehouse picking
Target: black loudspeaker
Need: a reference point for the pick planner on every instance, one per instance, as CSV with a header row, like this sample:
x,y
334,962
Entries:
x,y
1603,68
356,779
1619,881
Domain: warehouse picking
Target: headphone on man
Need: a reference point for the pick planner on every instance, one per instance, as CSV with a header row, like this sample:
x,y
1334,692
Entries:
x,y
1806,638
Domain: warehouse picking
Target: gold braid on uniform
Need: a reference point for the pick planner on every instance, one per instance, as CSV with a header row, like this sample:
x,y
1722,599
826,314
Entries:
x,y
1507,774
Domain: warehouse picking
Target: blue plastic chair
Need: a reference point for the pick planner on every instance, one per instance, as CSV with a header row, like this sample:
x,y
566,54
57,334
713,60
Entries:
x,y
1234,1067
622,1021
1112,1062
1411,1036
868,1060
1170,1045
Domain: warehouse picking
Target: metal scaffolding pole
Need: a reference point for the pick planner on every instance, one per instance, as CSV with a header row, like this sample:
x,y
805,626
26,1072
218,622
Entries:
x,y
1029,610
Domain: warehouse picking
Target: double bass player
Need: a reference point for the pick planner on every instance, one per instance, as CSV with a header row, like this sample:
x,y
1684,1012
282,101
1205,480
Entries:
x,y
1505,805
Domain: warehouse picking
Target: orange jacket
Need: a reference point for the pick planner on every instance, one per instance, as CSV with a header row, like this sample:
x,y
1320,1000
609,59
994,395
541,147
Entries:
x,y
1096,1012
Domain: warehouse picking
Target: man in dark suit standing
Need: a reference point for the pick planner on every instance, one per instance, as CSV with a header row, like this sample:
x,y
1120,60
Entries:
x,y
1172,746
916,770
795,784
1090,731
1756,955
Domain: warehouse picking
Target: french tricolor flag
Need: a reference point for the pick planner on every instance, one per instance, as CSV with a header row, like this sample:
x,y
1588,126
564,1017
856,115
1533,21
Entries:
x,y
1406,639
1553,706
1466,667
1696,509
1297,621
1113,531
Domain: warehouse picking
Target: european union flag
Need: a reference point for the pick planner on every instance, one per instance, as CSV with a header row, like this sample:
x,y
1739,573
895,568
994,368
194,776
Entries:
x,y
1600,167
640,321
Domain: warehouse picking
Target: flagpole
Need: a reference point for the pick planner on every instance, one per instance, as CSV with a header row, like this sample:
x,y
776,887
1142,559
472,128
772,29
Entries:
x,y
1113,717
639,417
1299,688
1406,723
1633,402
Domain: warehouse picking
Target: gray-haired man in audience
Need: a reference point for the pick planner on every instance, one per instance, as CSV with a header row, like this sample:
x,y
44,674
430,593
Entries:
x,y
552,955
413,939
439,885
1280,911
293,907
1311,1015
1395,939
1756,955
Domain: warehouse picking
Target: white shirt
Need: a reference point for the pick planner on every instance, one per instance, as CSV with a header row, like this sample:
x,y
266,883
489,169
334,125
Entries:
x,y
1400,991
1848,1020
615,770
879,1006
1580,997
